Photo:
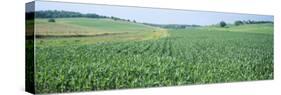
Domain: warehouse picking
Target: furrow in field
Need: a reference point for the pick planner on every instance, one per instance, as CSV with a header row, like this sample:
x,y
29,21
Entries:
x,y
170,46
156,47
148,46
165,47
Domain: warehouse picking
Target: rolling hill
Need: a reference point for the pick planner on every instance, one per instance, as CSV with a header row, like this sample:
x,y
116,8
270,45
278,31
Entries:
x,y
93,30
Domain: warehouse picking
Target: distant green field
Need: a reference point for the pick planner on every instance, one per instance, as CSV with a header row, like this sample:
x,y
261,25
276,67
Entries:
x,y
146,56
73,31
251,28
68,26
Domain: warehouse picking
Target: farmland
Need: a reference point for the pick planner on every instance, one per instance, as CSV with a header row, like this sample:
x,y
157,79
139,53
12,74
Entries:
x,y
80,31
109,54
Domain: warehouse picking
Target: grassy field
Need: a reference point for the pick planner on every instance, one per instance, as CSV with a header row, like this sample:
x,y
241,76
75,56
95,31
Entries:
x,y
251,28
81,31
145,56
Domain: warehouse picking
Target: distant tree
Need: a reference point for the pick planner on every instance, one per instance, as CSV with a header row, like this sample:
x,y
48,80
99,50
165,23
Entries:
x,y
134,21
238,22
64,14
92,16
251,22
51,20
245,22
222,24
116,18
256,22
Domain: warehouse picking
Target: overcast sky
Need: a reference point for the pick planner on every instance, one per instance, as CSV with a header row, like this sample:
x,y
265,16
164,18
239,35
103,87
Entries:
x,y
152,15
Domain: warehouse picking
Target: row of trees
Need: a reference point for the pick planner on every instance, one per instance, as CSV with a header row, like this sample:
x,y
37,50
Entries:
x,y
51,14
116,18
172,26
239,22
64,14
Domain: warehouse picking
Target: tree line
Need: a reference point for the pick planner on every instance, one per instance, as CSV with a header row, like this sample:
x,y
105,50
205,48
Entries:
x,y
241,22
64,14
172,26
52,14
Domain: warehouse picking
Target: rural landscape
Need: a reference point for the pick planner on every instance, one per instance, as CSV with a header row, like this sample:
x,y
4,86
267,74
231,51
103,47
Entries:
x,y
88,52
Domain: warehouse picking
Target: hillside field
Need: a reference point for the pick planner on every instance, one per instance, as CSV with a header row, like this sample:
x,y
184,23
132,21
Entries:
x,y
83,54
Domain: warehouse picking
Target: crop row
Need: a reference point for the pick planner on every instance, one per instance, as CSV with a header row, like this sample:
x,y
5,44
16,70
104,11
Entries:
x,y
187,56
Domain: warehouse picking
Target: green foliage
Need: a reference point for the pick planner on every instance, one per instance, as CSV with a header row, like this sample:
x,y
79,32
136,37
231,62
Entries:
x,y
238,22
222,24
51,20
172,26
56,14
186,56
65,14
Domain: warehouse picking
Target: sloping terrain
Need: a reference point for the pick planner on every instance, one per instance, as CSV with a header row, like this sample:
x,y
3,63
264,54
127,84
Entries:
x,y
88,31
